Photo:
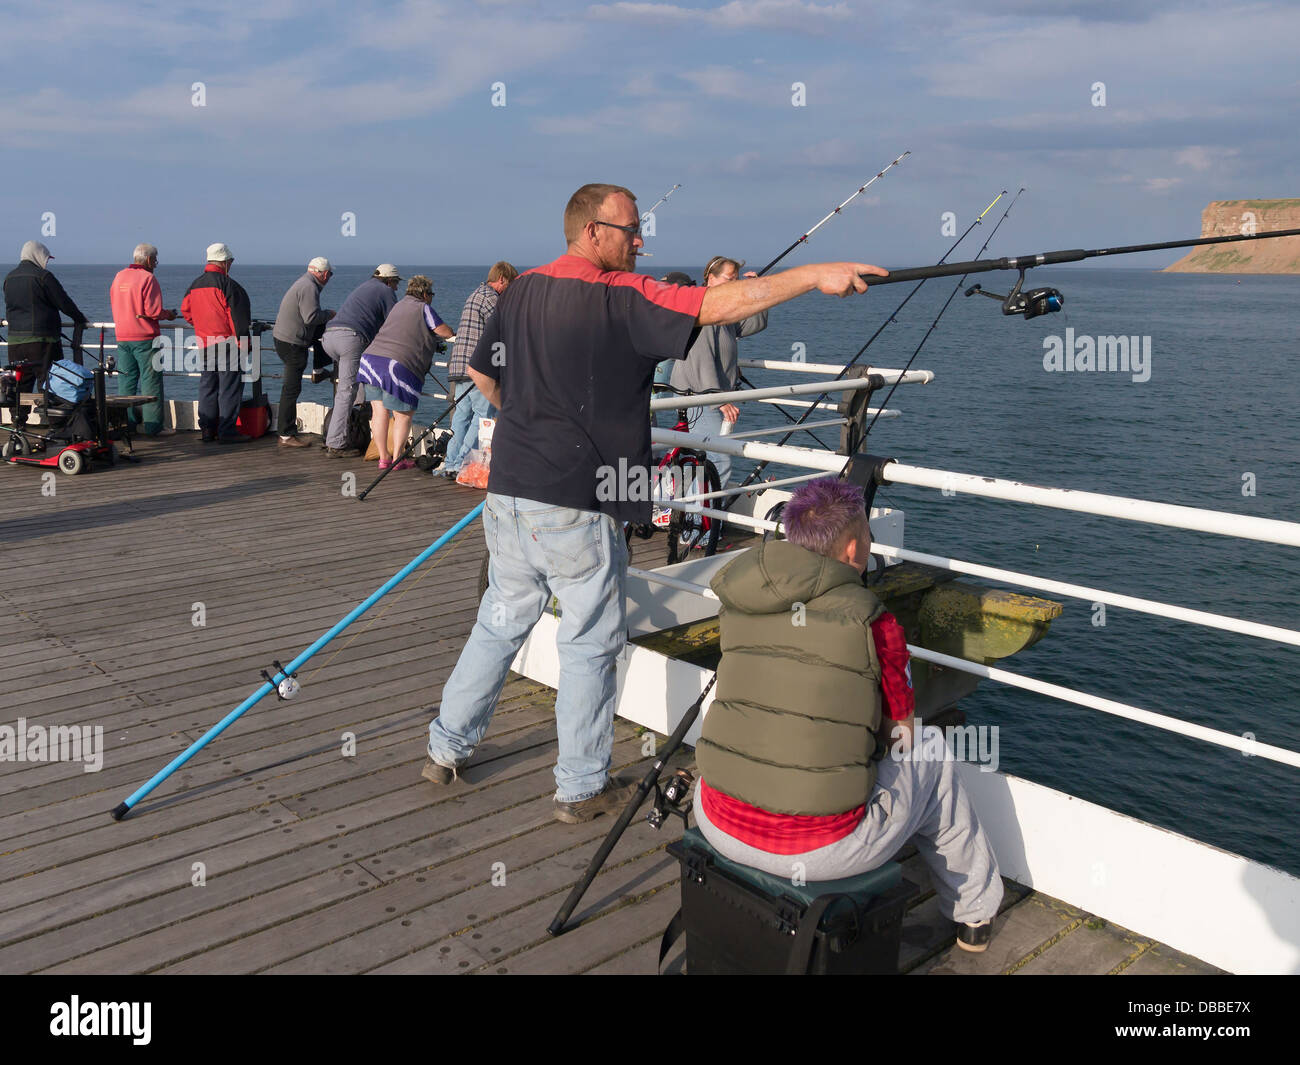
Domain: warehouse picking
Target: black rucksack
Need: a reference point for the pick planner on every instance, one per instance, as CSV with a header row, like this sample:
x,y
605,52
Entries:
x,y
359,427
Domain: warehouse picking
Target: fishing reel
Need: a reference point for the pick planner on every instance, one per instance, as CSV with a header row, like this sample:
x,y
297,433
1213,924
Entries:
x,y
288,687
1030,304
672,798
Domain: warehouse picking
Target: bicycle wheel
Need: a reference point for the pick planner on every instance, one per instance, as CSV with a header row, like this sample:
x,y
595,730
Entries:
x,y
693,475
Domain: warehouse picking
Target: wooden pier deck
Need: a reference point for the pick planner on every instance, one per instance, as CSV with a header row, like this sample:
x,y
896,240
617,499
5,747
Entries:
x,y
272,851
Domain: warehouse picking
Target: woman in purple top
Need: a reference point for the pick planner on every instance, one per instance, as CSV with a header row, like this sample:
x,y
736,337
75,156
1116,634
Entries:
x,y
395,363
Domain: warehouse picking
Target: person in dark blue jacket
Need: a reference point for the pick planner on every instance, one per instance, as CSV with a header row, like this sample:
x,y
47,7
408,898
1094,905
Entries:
x,y
346,337
34,299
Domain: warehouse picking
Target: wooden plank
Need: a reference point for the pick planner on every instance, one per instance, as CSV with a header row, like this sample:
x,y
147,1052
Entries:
x,y
1093,948
268,888
1161,960
1021,932
648,896
251,952
300,746
413,819
496,939
539,865
927,933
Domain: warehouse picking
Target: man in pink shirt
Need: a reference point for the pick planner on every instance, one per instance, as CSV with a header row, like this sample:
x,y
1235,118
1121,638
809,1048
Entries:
x,y
137,310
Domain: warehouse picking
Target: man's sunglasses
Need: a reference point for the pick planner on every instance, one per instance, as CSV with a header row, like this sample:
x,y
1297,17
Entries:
x,y
632,230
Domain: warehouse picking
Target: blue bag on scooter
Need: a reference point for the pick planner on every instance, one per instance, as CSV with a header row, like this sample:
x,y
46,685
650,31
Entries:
x,y
71,382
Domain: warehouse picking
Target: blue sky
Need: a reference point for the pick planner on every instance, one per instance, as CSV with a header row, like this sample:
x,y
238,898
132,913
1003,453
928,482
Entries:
x,y
316,109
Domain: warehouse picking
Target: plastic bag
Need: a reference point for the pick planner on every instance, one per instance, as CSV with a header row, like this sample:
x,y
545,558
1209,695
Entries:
x,y
474,469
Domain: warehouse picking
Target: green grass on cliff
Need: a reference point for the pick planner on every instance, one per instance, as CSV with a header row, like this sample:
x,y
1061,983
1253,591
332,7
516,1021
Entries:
x,y
1259,205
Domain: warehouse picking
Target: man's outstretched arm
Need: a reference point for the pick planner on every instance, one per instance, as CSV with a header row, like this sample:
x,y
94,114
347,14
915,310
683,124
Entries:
x,y
738,300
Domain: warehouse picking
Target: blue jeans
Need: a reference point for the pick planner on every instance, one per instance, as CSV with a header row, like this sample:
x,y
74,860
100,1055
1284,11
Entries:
x,y
707,421
464,423
538,550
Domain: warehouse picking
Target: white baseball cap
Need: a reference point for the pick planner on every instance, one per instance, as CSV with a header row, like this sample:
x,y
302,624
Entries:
x,y
387,270
219,253
320,263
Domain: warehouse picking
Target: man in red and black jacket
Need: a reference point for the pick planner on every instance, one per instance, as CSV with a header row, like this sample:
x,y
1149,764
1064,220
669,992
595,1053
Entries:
x,y
218,308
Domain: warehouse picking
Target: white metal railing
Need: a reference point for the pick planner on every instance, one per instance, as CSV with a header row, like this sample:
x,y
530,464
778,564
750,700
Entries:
x,y
1109,706
808,427
185,373
689,504
1096,595
1268,530
778,401
714,399
741,490
911,377
809,458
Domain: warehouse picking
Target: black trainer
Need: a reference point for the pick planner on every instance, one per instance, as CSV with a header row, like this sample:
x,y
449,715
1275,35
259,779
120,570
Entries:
x,y
975,937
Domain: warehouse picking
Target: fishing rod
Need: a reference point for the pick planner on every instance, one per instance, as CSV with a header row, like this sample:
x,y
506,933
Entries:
x,y
1048,300
889,320
833,213
935,324
415,442
740,375
649,781
284,680
662,199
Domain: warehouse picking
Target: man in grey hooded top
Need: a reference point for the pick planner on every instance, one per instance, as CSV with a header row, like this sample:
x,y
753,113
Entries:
x,y
34,300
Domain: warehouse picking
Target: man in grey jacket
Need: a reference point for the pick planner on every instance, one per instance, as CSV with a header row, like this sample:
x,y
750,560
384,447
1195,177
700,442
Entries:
x,y
300,322
713,365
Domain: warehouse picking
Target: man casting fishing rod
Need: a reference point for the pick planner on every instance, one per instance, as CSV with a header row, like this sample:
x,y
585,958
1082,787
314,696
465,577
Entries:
x,y
568,360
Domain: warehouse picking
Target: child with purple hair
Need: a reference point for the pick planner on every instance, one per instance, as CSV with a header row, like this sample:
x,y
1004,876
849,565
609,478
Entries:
x,y
813,686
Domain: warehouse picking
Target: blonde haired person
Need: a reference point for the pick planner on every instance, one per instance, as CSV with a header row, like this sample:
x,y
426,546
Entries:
x,y
395,363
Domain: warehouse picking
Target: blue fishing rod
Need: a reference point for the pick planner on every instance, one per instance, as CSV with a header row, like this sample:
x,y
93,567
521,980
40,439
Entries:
x,y
284,682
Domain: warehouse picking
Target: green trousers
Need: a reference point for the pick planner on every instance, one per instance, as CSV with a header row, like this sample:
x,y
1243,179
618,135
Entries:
x,y
137,377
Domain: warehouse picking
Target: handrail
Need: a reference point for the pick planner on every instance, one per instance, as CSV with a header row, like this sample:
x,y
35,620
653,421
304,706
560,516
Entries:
x,y
1024,580
1243,744
911,377
748,395
1268,530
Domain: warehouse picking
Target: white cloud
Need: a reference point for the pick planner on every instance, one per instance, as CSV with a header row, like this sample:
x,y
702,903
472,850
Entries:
x,y
740,163
787,15
723,82
1202,157
664,118
1161,184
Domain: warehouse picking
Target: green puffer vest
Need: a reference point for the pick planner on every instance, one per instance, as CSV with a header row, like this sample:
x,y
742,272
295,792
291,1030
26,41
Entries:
x,y
792,726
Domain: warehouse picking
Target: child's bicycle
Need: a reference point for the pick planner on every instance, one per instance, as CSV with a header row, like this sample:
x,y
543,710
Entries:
x,y
684,472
